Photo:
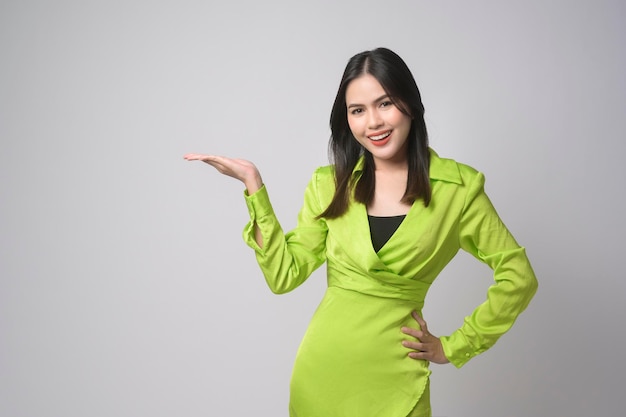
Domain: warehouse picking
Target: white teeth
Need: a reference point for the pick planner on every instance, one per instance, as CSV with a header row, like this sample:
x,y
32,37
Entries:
x,y
379,137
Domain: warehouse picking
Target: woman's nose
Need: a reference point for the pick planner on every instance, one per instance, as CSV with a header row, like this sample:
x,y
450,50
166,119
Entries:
x,y
374,120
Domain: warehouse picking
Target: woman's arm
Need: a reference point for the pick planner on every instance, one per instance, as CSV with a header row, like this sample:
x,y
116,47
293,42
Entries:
x,y
483,234
286,260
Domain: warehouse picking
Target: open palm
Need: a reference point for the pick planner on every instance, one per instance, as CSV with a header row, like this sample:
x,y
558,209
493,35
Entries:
x,y
241,169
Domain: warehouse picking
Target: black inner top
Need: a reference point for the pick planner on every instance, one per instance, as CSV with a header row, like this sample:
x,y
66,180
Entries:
x,y
382,228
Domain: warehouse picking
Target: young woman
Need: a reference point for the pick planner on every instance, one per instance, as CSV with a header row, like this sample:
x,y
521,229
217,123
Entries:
x,y
386,217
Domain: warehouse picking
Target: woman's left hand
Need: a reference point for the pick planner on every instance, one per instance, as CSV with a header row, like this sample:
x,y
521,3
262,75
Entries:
x,y
427,346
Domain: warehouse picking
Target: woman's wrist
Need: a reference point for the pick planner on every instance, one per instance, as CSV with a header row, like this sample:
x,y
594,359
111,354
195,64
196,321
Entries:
x,y
253,184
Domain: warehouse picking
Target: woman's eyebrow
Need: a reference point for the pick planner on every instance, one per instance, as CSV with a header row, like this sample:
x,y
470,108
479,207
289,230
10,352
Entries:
x,y
375,101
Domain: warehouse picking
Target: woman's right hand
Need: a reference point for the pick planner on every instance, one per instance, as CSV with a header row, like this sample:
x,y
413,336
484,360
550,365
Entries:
x,y
244,171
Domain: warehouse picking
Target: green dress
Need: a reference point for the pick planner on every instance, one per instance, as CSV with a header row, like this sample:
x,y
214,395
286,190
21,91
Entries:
x,y
351,361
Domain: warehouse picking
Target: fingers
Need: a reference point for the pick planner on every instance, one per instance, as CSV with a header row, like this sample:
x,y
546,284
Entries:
x,y
421,335
222,164
207,158
219,162
196,157
423,355
425,349
420,321
214,161
415,345
429,348
425,346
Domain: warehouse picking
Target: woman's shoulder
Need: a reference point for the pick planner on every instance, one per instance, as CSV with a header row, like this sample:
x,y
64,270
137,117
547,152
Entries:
x,y
450,170
322,184
325,171
324,176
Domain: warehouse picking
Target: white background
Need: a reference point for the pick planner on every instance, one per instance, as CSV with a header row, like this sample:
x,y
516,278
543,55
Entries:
x,y
125,286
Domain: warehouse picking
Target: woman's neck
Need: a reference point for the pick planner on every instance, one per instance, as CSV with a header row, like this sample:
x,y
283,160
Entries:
x,y
391,166
391,180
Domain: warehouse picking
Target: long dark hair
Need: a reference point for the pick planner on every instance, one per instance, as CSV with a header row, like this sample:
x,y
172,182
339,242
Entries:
x,y
344,151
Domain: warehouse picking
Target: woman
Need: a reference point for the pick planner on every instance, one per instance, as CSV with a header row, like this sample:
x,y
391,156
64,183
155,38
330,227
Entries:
x,y
386,217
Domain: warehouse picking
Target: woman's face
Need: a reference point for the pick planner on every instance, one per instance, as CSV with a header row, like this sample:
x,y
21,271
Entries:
x,y
376,123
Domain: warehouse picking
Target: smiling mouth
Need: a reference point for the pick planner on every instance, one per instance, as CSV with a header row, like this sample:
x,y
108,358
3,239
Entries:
x,y
381,136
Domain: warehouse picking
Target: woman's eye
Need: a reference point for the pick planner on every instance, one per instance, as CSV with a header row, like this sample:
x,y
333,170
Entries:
x,y
357,111
386,104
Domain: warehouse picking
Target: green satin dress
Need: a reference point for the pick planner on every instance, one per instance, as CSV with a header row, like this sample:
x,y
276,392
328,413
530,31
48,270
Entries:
x,y
351,361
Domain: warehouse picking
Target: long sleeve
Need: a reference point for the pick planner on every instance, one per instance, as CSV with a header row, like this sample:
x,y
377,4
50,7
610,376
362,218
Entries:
x,y
483,234
287,260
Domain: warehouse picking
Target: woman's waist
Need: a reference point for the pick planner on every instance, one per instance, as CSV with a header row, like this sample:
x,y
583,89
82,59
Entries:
x,y
380,284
